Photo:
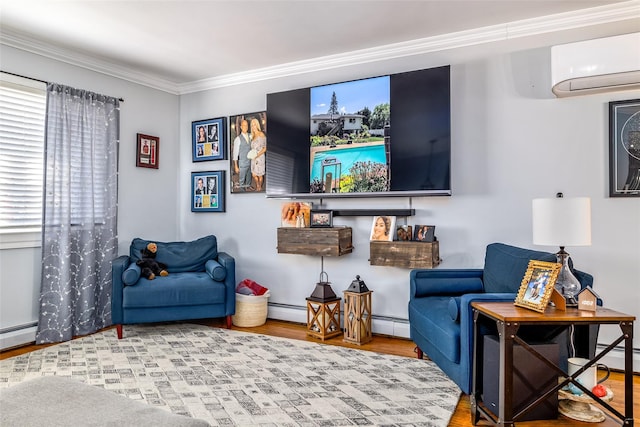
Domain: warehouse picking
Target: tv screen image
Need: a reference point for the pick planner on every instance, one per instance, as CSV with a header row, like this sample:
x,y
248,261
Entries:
x,y
380,136
347,142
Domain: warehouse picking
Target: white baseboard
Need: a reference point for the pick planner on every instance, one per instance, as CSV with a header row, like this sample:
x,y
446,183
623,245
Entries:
x,y
380,325
615,358
18,337
400,328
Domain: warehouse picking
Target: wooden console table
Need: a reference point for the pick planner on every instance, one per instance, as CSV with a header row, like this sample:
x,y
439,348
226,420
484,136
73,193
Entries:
x,y
509,319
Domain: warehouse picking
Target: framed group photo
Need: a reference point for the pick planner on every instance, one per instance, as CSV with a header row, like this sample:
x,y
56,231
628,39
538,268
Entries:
x,y
207,191
248,149
624,148
209,139
537,285
148,151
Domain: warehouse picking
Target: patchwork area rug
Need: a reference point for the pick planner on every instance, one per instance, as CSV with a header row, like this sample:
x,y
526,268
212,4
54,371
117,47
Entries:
x,y
233,378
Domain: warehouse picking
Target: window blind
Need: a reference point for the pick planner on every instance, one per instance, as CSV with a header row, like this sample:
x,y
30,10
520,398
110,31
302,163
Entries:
x,y
22,123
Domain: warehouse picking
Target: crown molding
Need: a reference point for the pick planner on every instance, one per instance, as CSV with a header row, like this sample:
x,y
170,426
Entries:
x,y
20,41
524,28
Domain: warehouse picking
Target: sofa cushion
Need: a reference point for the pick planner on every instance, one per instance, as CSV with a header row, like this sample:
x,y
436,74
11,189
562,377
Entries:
x,y
179,256
131,275
505,266
431,317
215,270
176,289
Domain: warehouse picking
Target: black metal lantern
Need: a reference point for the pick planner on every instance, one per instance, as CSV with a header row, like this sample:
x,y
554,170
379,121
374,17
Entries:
x,y
323,291
358,286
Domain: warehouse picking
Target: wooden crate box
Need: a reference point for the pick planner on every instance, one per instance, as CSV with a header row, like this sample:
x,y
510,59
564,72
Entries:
x,y
405,254
334,241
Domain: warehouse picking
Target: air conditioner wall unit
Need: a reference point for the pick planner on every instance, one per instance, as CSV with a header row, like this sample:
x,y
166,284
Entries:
x,y
596,66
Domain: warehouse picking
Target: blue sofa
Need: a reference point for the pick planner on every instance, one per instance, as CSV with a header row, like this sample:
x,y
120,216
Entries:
x,y
440,315
201,284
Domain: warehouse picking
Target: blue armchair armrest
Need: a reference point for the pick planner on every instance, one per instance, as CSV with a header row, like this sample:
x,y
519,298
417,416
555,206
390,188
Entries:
x,y
229,263
118,266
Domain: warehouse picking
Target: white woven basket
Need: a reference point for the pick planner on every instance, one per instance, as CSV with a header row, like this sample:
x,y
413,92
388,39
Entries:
x,y
251,310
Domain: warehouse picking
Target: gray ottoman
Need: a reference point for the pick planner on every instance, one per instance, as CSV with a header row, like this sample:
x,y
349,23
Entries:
x,y
56,401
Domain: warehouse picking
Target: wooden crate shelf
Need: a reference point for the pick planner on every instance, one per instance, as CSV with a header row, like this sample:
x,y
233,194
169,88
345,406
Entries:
x,y
405,254
334,241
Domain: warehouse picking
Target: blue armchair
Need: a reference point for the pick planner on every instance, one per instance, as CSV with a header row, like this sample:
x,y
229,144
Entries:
x,y
440,315
201,284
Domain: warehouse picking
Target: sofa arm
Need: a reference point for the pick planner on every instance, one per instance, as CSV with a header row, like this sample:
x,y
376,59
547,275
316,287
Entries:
x,y
118,266
452,282
229,263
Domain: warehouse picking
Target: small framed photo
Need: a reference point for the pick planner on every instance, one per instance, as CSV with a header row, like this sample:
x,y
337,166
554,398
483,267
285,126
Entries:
x,y
424,233
209,139
537,285
624,148
383,228
207,191
321,218
404,233
296,214
148,151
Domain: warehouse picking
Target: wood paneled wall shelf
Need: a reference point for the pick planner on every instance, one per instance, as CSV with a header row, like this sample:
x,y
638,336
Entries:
x,y
334,241
405,254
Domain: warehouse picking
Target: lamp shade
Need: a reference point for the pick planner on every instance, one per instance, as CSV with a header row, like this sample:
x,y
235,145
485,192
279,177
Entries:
x,y
562,221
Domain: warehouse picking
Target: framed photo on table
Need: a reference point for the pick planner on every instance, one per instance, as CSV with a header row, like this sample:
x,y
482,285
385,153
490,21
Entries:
x,y
209,139
537,285
207,191
148,151
624,148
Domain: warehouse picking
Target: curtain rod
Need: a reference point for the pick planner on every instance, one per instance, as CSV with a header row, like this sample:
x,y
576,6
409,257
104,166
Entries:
x,y
37,80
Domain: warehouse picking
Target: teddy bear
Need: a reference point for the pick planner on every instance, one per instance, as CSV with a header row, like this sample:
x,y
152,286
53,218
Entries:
x,y
150,267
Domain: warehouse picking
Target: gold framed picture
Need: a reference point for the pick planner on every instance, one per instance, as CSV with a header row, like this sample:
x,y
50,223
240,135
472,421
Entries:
x,y
537,285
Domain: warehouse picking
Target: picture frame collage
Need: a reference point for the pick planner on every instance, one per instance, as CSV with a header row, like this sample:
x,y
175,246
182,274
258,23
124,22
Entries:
x,y
211,140
384,228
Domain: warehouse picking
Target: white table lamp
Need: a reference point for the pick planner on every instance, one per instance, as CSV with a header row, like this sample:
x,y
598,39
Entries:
x,y
563,222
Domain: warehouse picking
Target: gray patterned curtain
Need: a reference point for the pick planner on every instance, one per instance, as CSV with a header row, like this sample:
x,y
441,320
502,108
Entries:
x,y
79,217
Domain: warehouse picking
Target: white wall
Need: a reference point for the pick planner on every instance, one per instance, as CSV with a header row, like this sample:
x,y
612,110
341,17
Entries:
x,y
512,141
147,197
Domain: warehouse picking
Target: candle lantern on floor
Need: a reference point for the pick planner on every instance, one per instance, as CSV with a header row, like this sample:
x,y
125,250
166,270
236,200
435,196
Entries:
x,y
357,313
323,311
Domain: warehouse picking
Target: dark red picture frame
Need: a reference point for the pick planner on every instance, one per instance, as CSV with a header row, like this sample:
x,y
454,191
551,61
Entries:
x,y
148,151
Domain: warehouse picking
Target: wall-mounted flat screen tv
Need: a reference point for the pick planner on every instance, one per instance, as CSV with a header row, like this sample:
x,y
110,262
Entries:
x,y
381,136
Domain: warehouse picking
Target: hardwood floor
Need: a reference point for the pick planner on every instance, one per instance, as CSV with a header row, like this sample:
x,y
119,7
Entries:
x,y
404,347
